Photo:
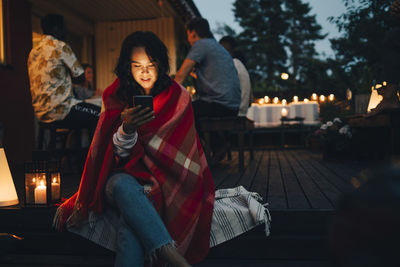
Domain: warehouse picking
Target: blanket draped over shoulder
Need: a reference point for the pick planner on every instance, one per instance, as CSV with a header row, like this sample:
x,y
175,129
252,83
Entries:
x,y
167,155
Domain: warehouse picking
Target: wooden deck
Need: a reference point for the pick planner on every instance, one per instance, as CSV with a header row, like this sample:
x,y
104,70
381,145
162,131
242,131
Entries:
x,y
292,179
302,191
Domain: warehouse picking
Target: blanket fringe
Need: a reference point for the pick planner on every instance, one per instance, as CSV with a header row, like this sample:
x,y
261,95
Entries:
x,y
267,219
58,220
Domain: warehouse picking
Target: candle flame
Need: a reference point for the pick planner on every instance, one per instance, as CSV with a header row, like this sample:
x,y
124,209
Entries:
x,y
34,179
314,96
295,99
284,101
331,97
261,101
41,183
276,100
284,112
306,100
266,99
322,98
54,180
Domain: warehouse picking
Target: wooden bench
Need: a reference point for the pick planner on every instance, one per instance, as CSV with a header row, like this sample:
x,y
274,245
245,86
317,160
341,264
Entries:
x,y
237,125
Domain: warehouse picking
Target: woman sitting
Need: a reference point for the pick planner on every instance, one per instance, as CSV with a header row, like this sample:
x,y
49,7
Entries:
x,y
146,185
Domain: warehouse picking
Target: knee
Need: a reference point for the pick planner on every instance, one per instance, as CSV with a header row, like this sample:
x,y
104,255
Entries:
x,y
122,184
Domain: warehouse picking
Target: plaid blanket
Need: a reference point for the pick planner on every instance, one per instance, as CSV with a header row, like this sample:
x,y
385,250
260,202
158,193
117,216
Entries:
x,y
168,156
236,211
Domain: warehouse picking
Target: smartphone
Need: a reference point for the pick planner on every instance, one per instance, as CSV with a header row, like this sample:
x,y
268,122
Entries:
x,y
144,101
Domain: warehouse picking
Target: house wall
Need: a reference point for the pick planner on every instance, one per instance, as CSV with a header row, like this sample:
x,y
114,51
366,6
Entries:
x,y
16,110
110,35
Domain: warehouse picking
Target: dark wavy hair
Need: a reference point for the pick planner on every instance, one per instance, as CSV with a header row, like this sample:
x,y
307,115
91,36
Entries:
x,y
156,51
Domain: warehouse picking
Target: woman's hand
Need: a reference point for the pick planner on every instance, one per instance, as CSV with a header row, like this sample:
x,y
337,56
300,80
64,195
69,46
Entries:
x,y
132,118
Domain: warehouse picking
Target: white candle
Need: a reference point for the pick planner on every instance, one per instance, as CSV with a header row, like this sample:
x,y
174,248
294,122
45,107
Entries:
x,y
55,189
40,194
284,112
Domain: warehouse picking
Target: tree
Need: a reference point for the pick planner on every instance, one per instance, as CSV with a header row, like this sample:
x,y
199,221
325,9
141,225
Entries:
x,y
261,40
363,27
277,36
300,39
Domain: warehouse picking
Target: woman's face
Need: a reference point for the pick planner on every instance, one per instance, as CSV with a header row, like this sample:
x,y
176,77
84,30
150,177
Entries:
x,y
144,71
89,74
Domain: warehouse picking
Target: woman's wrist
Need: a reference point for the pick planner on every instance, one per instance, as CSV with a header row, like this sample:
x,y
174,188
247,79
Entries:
x,y
127,129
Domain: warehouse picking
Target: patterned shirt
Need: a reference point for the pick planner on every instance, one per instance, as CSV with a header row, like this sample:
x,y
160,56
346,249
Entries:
x,y
50,65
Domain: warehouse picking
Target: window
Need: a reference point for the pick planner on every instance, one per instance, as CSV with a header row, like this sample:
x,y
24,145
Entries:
x,y
2,35
4,39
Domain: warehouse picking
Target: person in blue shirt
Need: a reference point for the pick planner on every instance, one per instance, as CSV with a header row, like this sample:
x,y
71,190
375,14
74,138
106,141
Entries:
x,y
217,81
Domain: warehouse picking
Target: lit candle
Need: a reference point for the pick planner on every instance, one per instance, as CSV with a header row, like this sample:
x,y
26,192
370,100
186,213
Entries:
x,y
55,189
266,99
322,98
295,99
284,101
306,100
261,101
40,193
384,83
276,100
284,112
331,97
314,97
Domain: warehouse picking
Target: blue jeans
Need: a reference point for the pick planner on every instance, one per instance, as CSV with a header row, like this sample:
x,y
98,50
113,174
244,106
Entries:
x,y
141,231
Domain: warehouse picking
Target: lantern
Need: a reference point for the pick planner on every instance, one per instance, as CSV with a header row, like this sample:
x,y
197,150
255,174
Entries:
x,y
42,183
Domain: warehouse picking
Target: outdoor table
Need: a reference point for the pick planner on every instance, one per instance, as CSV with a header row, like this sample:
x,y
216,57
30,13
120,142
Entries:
x,y
269,115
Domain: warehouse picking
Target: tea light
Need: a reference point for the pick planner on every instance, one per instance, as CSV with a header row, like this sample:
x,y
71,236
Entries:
x,y
276,100
322,98
40,193
55,189
295,99
331,97
266,99
314,97
284,112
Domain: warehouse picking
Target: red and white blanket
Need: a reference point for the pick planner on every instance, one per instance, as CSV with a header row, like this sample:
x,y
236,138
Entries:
x,y
168,155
